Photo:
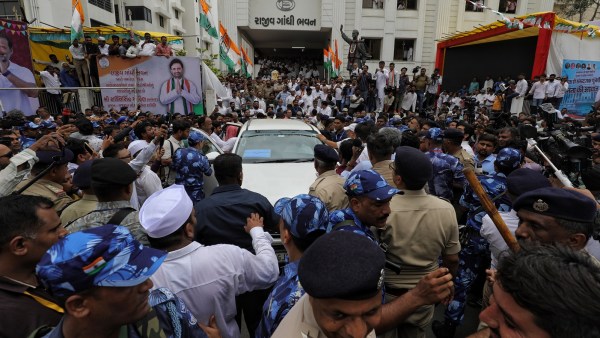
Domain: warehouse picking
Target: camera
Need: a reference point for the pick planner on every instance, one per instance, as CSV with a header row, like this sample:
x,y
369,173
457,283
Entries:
x,y
416,69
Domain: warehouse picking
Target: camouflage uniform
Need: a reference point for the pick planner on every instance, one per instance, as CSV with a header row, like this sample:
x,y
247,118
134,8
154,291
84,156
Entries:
x,y
191,166
26,142
103,214
285,294
51,190
476,248
446,170
346,220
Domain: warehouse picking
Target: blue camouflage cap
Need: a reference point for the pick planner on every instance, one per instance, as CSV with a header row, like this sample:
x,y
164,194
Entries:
x,y
195,138
435,134
509,158
110,121
303,214
95,124
31,125
106,256
369,183
48,125
121,119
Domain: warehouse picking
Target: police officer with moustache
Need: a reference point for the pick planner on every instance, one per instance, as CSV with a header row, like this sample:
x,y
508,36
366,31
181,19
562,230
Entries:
x,y
329,186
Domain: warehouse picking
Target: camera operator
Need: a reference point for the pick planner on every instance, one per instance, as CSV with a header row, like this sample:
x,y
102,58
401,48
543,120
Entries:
x,y
15,167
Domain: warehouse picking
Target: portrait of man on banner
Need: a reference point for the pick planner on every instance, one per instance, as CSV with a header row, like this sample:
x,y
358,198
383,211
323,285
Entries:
x,y
180,95
15,76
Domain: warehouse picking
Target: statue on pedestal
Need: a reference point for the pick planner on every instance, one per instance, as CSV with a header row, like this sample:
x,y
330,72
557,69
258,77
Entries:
x,y
357,52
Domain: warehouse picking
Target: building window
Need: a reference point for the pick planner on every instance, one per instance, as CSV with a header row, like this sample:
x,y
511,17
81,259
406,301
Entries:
x,y
6,9
95,23
477,7
117,14
176,14
161,21
139,13
104,4
404,49
407,4
375,4
197,20
373,47
508,6
178,33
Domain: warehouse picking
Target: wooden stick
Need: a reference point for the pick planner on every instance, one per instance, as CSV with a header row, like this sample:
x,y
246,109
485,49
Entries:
x,y
491,210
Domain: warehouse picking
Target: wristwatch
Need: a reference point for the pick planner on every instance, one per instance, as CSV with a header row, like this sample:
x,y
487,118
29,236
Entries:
x,y
6,73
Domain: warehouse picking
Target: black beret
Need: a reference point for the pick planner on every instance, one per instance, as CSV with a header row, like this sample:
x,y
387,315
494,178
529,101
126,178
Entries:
x,y
82,177
48,156
596,137
112,171
591,178
413,166
342,265
559,203
523,180
453,134
325,153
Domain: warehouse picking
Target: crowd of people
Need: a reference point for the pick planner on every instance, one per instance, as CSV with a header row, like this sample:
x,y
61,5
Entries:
x,y
106,229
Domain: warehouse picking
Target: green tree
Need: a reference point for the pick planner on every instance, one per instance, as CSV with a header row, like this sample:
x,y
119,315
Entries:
x,y
577,9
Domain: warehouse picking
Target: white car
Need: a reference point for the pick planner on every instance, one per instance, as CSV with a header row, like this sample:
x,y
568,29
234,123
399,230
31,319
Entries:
x,y
277,157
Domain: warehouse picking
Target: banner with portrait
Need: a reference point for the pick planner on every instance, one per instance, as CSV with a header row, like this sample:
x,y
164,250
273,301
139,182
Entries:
x,y
163,85
15,65
584,84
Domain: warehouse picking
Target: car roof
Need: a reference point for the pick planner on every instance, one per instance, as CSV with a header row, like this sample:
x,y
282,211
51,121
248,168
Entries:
x,y
277,124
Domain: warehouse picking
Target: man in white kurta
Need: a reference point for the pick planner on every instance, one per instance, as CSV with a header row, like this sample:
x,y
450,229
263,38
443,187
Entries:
x,y
178,93
381,77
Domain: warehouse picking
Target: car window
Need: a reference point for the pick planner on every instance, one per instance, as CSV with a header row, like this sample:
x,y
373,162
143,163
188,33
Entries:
x,y
209,148
258,146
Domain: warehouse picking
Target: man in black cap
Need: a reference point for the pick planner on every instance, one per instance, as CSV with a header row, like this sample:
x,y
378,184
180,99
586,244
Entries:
x,y
50,184
82,179
417,217
351,308
554,215
112,181
329,186
452,145
28,227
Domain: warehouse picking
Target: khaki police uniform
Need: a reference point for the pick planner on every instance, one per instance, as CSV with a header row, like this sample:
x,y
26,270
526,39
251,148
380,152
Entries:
x,y
51,190
420,228
383,168
80,208
300,322
465,159
329,188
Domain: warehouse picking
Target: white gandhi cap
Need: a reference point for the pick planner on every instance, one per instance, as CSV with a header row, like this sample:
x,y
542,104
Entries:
x,y
166,211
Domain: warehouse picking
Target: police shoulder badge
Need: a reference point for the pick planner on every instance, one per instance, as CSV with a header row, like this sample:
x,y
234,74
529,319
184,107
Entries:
x,y
380,281
540,206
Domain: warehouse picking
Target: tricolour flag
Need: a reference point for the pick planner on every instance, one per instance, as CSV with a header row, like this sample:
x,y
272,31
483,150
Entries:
x,y
247,67
207,20
77,20
332,71
327,60
337,62
228,50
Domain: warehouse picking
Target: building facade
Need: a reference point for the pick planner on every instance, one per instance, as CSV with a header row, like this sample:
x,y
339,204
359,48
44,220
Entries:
x,y
400,31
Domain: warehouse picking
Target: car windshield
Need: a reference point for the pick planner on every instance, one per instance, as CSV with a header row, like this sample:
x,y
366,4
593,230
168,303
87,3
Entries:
x,y
264,146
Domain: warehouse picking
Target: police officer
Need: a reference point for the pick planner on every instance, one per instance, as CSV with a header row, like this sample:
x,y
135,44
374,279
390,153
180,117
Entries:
x,y
191,165
329,186
475,249
447,170
453,145
50,185
369,196
303,219
343,289
417,217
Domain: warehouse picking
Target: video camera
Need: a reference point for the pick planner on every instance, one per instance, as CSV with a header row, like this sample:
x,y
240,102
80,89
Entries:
x,y
416,69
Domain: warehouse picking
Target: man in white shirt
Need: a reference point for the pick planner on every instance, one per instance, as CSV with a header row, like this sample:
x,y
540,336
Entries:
x,y
133,51
181,130
102,46
380,77
516,106
80,62
148,47
50,78
147,181
562,90
207,278
552,90
409,101
538,89
487,84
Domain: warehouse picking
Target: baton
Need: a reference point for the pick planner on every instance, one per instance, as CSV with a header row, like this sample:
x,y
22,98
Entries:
x,y
559,174
491,210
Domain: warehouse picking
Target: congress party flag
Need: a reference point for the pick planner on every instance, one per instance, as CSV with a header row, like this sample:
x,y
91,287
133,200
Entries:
x,y
207,19
247,67
228,50
327,60
77,20
337,62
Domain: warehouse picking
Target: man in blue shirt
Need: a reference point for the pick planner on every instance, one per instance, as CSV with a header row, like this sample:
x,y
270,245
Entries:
x,y
485,157
447,169
221,217
303,219
191,165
